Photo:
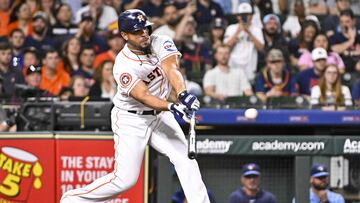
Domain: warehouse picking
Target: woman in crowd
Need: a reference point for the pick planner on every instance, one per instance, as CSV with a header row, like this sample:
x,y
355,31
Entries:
x,y
105,86
321,41
78,86
71,53
330,94
21,18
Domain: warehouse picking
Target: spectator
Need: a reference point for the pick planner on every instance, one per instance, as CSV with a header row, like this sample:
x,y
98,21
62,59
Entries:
x,y
40,38
52,78
356,93
197,56
17,39
33,4
21,18
31,56
347,41
48,7
320,41
154,9
192,87
274,80
308,78
64,28
319,184
105,86
71,53
87,33
250,190
102,14
273,39
131,4
256,17
217,33
330,93
244,36
5,13
223,81
87,58
79,87
317,7
331,22
303,42
206,12
10,75
293,22
116,43
33,79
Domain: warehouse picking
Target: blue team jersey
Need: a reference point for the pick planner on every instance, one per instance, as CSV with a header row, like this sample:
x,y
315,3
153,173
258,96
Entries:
x,y
304,81
239,196
264,82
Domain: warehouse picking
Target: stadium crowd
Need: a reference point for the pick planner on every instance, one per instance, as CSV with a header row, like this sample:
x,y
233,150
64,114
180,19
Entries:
x,y
267,48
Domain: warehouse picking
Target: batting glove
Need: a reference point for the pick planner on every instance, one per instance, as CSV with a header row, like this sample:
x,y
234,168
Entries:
x,y
189,100
180,111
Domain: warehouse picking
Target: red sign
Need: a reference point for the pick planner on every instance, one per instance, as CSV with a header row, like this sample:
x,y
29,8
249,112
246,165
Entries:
x,y
81,161
27,170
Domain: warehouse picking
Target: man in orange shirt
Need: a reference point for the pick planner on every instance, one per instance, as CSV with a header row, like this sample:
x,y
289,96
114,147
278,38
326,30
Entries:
x,y
116,43
53,79
4,16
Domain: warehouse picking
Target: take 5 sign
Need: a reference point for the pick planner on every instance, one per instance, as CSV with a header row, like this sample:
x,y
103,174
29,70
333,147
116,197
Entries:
x,y
27,168
40,168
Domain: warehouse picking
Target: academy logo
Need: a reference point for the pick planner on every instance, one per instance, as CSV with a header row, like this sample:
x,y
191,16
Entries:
x,y
169,46
351,147
213,146
125,79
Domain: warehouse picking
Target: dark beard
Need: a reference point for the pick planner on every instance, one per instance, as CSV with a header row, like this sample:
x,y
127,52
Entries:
x,y
271,34
146,50
39,31
320,187
173,23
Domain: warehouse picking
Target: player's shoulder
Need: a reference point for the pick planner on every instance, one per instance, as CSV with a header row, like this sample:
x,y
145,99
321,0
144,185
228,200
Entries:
x,y
160,39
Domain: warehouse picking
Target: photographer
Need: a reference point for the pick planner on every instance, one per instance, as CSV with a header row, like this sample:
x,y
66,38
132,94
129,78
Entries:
x,y
245,39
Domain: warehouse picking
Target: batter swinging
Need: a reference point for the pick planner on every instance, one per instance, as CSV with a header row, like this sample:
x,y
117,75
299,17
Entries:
x,y
146,72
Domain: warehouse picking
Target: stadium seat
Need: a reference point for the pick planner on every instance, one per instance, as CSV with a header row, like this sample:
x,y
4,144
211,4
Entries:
x,y
288,102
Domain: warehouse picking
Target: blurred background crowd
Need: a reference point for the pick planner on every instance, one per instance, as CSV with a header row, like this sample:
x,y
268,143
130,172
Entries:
x,y
230,48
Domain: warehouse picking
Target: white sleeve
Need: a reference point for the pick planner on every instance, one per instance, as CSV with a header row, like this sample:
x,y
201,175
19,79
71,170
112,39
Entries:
x,y
125,77
209,79
228,33
347,96
315,95
164,46
258,34
244,82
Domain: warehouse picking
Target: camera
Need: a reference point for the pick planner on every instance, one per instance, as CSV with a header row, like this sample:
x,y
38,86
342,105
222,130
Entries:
x,y
244,18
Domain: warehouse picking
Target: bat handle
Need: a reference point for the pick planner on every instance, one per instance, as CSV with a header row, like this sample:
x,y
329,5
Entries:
x,y
192,139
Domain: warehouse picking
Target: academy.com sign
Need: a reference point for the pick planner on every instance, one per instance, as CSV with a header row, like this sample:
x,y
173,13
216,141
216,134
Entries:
x,y
287,146
351,146
213,146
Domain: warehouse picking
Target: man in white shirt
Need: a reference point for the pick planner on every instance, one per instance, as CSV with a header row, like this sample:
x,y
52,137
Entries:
x,y
245,40
104,15
223,81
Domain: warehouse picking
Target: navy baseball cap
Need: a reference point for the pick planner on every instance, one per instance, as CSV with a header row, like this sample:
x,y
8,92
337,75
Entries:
x,y
251,169
319,170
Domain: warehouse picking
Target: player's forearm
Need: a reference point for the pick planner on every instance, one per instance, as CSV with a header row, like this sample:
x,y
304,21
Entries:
x,y
176,80
155,103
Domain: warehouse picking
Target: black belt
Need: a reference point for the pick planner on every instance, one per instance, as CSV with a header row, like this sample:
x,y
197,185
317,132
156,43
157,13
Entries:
x,y
152,112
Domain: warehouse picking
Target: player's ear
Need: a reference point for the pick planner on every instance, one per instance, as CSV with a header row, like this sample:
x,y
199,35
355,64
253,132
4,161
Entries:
x,y
124,35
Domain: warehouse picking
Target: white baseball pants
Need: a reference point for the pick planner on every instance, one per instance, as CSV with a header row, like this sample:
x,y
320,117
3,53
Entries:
x,y
132,133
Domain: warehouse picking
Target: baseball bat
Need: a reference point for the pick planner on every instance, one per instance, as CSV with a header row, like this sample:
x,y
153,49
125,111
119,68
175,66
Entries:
x,y
192,137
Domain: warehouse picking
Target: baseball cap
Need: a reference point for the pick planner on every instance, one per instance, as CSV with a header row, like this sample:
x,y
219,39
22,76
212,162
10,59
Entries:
x,y
319,53
218,23
275,55
251,169
319,170
40,15
86,16
33,69
244,8
271,16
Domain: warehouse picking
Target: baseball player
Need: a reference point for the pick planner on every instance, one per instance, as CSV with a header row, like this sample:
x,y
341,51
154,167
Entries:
x,y
146,72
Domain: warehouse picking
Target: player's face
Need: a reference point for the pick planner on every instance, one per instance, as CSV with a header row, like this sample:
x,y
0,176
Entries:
x,y
319,183
251,182
139,40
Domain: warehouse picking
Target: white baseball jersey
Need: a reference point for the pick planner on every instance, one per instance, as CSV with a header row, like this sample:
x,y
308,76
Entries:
x,y
130,68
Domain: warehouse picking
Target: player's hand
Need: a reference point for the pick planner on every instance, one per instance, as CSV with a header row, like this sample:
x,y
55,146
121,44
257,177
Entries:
x,y
189,100
180,111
